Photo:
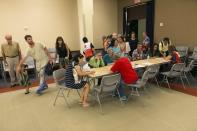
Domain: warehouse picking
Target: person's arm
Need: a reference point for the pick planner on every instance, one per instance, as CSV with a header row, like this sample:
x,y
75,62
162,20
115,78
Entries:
x,y
115,67
83,73
3,54
169,57
47,53
102,63
93,62
68,52
19,52
20,63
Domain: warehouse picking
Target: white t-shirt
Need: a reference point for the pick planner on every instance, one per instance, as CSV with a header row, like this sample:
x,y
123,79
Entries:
x,y
38,53
87,46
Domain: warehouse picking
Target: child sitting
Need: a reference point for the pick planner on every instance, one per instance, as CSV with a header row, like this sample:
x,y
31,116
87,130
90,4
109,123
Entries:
x,y
24,79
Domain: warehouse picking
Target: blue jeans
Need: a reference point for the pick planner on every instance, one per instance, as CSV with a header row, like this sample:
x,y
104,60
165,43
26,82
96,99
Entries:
x,y
42,75
121,88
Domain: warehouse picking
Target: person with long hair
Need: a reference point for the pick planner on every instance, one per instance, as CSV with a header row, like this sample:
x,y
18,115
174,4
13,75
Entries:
x,y
73,82
62,51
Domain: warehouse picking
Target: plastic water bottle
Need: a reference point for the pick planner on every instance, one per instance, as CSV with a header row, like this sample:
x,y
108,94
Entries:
x,y
164,54
148,57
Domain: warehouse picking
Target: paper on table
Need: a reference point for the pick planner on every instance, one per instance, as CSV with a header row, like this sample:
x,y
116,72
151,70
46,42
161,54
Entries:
x,y
147,63
138,66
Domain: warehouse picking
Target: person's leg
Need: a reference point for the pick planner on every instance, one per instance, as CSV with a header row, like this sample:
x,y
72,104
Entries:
x,y
86,91
82,95
121,90
43,84
10,62
16,62
27,90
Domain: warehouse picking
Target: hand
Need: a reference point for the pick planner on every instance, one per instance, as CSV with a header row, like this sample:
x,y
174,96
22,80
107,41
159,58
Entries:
x,y
5,62
92,72
18,69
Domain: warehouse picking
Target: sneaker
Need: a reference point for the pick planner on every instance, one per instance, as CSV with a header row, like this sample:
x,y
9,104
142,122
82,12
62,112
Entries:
x,y
27,92
38,92
123,98
46,87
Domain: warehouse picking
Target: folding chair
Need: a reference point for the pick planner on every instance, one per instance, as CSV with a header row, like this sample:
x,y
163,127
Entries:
x,y
194,54
139,84
183,51
175,72
153,72
188,69
59,78
109,84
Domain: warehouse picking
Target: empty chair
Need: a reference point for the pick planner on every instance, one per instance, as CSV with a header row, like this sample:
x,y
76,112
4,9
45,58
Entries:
x,y
139,84
4,69
175,72
194,54
183,51
153,72
59,78
108,86
3,75
188,69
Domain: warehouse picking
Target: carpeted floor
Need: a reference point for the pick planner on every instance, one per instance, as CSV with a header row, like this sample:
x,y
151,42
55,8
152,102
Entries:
x,y
157,109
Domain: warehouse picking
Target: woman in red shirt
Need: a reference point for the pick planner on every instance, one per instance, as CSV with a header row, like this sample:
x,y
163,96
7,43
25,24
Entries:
x,y
128,74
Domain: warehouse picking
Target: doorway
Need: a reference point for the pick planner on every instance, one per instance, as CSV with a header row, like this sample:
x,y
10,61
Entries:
x,y
139,18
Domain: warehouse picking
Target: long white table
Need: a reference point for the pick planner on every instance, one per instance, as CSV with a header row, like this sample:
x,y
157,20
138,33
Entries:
x,y
102,71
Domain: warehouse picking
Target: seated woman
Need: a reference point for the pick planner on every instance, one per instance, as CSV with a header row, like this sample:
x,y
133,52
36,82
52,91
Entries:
x,y
96,61
128,74
121,43
70,80
109,57
173,55
116,48
156,52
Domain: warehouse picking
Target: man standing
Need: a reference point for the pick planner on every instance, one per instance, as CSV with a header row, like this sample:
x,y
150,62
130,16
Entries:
x,y
41,55
11,55
146,42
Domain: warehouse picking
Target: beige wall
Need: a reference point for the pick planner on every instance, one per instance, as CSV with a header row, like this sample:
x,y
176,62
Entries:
x,y
179,18
104,19
45,19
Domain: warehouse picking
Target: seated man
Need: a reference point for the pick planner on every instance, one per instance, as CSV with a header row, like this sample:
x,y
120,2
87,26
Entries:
x,y
138,53
128,74
109,57
96,61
